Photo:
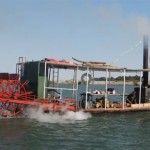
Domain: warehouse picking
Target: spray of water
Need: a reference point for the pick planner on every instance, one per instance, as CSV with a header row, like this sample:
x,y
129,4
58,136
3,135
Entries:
x,y
62,117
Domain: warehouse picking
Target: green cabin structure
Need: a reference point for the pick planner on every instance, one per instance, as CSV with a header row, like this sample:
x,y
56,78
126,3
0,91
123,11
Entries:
x,y
43,75
34,72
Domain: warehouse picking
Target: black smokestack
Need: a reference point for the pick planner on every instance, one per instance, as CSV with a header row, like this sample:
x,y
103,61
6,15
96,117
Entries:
x,y
145,61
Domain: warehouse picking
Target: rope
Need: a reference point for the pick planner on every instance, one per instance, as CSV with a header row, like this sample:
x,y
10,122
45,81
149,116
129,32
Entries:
x,y
127,51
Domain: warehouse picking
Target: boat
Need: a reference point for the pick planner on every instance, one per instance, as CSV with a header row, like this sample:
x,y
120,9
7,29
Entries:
x,y
38,84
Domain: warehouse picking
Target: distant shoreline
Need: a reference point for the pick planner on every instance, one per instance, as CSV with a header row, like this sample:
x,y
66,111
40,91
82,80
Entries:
x,y
116,82
109,82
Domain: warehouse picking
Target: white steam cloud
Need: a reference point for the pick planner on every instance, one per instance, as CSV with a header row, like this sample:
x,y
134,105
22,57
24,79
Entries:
x,y
131,23
63,117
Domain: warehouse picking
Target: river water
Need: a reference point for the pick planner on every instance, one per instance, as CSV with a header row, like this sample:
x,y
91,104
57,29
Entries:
x,y
76,131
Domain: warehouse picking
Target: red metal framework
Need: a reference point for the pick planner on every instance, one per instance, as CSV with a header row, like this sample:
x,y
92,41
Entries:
x,y
13,89
14,98
11,92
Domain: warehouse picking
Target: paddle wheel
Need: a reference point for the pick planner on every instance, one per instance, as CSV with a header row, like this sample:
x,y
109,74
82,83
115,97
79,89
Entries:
x,y
12,92
14,88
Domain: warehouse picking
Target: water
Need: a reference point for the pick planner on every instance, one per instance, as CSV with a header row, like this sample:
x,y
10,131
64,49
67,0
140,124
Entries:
x,y
118,89
72,131
126,131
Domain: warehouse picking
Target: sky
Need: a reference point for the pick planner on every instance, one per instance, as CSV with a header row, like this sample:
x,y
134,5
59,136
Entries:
x,y
90,30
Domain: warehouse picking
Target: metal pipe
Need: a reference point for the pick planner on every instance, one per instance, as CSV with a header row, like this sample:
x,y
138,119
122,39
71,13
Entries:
x,y
145,61
76,98
124,86
44,81
140,89
86,96
106,96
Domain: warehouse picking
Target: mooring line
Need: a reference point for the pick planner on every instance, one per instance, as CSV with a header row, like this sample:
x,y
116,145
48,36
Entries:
x,y
127,51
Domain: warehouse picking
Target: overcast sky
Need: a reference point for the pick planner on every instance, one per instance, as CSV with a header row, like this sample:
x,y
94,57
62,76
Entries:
x,y
91,30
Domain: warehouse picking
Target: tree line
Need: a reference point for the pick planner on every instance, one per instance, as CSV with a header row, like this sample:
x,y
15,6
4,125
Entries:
x,y
119,78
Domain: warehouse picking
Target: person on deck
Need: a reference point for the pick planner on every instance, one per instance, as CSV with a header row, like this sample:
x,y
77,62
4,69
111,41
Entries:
x,y
131,98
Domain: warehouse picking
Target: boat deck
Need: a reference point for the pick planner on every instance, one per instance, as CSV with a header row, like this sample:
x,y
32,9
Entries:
x,y
126,109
